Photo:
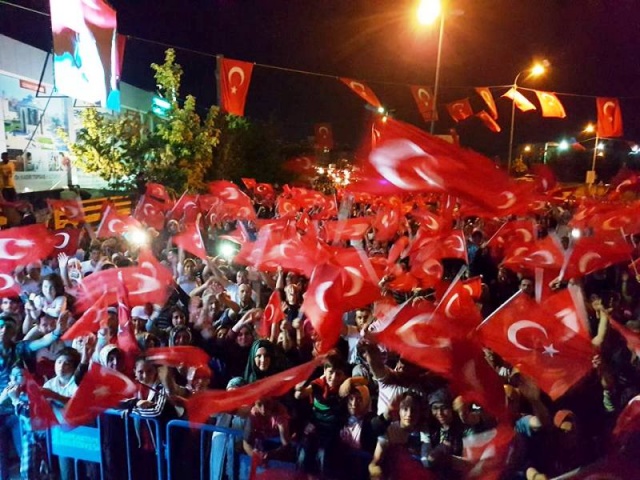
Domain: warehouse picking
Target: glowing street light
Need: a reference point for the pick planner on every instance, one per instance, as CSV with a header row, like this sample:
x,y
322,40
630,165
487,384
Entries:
x,y
534,71
591,175
428,11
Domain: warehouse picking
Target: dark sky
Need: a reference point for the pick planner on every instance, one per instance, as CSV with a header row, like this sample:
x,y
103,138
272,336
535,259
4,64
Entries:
x,y
593,47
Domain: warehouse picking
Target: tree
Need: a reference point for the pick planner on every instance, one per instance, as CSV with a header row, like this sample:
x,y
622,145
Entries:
x,y
177,151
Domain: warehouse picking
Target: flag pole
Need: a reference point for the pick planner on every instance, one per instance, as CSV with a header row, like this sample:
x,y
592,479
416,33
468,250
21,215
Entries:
x,y
219,59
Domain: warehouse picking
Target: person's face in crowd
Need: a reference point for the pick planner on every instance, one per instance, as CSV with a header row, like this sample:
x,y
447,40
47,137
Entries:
x,y
7,331
463,410
48,290
9,305
262,359
64,367
291,294
114,361
189,269
244,337
355,404
152,342
146,373
408,414
503,277
199,384
112,323
443,413
221,333
362,316
94,255
262,407
526,285
244,293
178,319
182,338
242,277
625,276
16,377
139,324
46,324
333,377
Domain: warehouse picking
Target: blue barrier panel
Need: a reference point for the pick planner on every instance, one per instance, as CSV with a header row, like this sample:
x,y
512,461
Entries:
x,y
81,443
216,450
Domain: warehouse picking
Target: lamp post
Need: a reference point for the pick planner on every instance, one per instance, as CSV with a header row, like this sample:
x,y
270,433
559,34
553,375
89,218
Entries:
x,y
591,175
428,12
535,71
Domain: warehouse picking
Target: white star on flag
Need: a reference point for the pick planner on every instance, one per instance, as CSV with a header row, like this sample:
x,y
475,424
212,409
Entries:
x,y
550,350
234,90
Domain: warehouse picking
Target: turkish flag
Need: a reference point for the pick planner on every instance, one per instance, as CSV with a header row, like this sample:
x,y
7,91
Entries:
x,y
612,221
232,203
191,241
235,77
347,229
453,244
90,321
486,95
250,183
113,224
425,102
407,159
205,404
430,222
143,284
459,310
151,266
550,105
514,231
590,254
631,338
178,356
273,314
264,193
387,223
24,245
488,121
101,388
460,109
71,209
545,253
488,451
185,209
9,287
363,91
158,193
66,240
609,118
304,165
545,177
150,212
126,339
519,99
41,414
323,304
473,286
568,307
324,136
527,337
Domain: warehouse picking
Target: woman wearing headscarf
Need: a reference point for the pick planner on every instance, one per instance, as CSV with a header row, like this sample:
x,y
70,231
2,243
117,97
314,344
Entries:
x,y
262,361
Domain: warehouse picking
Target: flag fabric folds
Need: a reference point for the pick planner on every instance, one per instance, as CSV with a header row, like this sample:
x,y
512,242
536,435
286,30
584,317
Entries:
x,y
519,99
486,95
609,117
425,101
550,105
460,109
362,91
489,121
235,77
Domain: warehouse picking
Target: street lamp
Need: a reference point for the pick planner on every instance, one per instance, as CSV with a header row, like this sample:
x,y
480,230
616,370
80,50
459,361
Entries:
x,y
591,175
534,71
428,12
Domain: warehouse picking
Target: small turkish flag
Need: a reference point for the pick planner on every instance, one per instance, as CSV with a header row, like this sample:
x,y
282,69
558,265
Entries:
x,y
72,209
324,136
90,321
550,104
304,165
520,100
250,183
235,77
486,95
272,314
101,388
186,209
66,240
232,202
24,245
158,193
40,412
9,286
488,121
191,241
526,336
150,212
425,102
204,404
609,118
113,223
460,109
488,451
591,254
363,91
178,356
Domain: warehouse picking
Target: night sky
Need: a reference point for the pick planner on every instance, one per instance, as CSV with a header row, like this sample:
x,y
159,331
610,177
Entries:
x,y
593,47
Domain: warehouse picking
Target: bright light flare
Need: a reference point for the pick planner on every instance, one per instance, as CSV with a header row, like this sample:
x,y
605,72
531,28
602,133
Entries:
x,y
527,148
538,69
576,233
563,145
227,250
138,237
591,128
429,11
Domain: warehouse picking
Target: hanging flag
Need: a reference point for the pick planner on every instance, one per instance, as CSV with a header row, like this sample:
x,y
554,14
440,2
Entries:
x,y
235,77
363,91
460,109
489,122
324,136
520,100
535,342
85,51
550,104
609,117
486,95
425,101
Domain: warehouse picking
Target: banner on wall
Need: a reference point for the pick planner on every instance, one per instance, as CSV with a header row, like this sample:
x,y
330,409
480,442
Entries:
x,y
29,133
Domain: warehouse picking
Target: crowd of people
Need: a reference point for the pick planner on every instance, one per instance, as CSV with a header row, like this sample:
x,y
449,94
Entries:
x,y
367,411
